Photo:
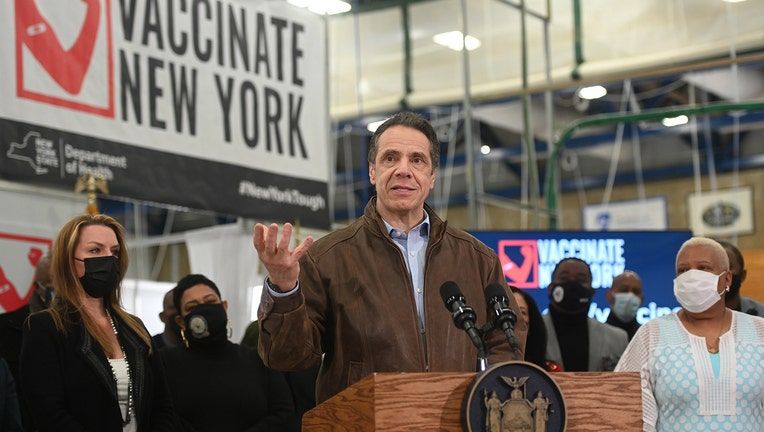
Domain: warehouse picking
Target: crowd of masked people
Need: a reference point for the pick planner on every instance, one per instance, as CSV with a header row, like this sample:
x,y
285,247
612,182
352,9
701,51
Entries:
x,y
352,303
74,359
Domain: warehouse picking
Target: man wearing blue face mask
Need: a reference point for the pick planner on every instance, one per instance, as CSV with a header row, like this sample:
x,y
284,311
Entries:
x,y
575,341
625,297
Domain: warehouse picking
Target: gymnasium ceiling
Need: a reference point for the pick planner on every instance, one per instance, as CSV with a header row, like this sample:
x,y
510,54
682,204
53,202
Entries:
x,y
650,55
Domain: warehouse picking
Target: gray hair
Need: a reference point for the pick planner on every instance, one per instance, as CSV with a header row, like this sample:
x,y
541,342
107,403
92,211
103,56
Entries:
x,y
711,244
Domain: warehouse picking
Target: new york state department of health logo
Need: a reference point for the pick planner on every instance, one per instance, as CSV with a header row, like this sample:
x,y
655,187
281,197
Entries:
x,y
513,396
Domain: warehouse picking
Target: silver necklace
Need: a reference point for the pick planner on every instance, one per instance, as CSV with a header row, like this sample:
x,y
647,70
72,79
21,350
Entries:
x,y
129,414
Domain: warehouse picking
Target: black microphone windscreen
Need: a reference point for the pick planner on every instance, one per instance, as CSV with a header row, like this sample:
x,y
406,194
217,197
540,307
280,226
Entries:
x,y
449,291
494,290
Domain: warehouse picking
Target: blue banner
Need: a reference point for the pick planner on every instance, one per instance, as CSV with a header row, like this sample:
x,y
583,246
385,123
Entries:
x,y
528,259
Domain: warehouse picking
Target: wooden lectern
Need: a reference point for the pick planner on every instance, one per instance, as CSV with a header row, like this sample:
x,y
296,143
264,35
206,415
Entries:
x,y
594,401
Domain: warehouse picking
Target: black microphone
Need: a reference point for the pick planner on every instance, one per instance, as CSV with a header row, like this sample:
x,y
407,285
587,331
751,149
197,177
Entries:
x,y
464,316
504,318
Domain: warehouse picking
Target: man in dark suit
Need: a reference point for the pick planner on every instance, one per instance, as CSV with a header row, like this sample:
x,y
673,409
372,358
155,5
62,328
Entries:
x,y
575,341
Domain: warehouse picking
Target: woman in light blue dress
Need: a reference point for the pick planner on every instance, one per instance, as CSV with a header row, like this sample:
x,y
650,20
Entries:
x,y
702,367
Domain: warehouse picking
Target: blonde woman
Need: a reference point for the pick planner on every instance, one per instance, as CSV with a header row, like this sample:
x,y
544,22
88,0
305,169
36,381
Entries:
x,y
86,364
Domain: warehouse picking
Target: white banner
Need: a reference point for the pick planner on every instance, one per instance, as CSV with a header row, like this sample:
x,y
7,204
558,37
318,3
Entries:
x,y
29,223
225,255
140,91
649,214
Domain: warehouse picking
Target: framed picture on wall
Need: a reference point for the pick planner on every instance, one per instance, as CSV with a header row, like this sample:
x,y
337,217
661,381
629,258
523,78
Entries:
x,y
648,214
721,212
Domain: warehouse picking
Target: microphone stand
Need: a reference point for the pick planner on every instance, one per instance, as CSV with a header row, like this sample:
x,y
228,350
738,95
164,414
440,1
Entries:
x,y
482,359
464,317
504,318
466,313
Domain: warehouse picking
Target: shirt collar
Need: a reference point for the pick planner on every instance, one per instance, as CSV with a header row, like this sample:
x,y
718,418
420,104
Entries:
x,y
424,227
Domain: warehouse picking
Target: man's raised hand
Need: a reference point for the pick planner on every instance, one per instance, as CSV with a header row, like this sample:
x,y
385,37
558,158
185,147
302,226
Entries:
x,y
282,264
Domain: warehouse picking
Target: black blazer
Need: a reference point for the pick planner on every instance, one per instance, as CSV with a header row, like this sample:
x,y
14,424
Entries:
x,y
69,386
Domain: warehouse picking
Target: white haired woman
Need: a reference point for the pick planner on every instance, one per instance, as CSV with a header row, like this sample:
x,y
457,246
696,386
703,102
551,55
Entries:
x,y
702,367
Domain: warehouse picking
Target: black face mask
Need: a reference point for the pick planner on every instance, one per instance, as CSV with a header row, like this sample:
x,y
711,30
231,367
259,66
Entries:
x,y
735,285
101,275
206,325
570,297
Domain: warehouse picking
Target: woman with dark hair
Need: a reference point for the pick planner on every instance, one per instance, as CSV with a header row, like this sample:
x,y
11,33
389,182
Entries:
x,y
535,345
86,363
237,392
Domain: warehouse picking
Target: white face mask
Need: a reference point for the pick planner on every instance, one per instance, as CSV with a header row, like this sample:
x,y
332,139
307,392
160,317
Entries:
x,y
625,306
696,290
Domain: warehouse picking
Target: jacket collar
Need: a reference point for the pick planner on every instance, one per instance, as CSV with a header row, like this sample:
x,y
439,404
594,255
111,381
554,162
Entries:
x,y
437,225
93,355
95,358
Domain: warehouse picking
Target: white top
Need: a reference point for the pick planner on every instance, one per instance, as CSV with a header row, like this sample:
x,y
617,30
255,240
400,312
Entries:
x,y
679,387
119,367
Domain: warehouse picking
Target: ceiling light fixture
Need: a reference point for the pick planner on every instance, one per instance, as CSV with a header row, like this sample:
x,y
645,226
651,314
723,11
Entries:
x,y
592,92
321,7
455,41
485,149
675,121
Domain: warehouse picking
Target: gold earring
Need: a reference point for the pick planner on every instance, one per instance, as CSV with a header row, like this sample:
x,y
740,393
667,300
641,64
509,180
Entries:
x,y
183,336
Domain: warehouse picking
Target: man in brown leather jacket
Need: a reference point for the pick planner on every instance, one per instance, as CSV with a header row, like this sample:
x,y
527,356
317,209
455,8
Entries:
x,y
365,298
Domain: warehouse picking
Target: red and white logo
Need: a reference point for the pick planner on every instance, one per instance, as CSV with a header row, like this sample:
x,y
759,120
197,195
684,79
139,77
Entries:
x,y
520,262
19,256
63,61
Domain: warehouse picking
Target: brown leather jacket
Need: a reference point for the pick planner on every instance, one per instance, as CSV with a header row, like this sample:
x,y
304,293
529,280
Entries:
x,y
355,307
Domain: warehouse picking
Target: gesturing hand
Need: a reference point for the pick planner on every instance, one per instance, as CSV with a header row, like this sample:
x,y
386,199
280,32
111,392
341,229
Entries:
x,y
283,265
